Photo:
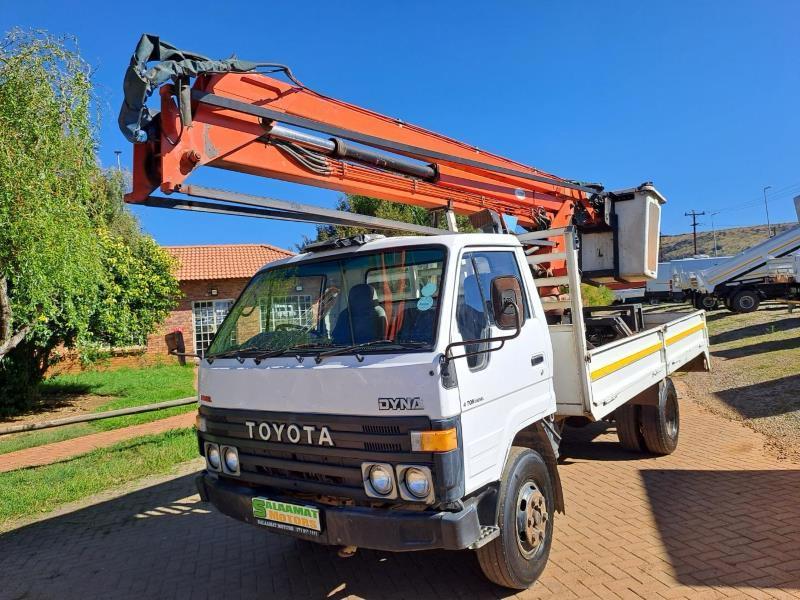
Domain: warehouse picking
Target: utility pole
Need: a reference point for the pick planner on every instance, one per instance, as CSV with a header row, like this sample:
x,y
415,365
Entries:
x,y
119,163
713,229
766,207
694,215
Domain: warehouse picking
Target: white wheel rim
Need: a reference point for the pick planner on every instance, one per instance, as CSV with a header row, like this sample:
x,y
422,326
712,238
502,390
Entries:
x,y
532,518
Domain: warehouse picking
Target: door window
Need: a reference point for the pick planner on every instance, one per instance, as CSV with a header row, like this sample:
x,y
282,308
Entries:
x,y
474,314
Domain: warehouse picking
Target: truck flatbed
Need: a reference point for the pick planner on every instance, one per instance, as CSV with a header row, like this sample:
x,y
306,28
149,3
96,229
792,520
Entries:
x,y
614,373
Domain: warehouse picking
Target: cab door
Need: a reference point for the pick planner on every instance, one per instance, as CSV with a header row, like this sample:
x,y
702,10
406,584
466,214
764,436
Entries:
x,y
501,391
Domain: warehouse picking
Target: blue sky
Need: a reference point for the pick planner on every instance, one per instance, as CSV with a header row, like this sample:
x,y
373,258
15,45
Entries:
x,y
699,97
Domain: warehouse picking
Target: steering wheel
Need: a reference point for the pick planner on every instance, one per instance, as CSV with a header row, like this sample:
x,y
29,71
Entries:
x,y
289,327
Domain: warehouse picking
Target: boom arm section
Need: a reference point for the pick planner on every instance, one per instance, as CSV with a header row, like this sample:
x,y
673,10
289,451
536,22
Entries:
x,y
256,124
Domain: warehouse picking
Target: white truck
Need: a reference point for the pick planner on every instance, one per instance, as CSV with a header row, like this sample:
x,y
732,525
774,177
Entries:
x,y
404,393
765,271
668,286
443,434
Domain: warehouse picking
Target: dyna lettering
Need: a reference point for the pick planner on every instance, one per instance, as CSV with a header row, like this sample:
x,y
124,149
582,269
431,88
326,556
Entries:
x,y
408,403
293,434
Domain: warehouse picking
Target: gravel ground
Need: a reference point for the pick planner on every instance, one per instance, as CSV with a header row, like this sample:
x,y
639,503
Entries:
x,y
755,375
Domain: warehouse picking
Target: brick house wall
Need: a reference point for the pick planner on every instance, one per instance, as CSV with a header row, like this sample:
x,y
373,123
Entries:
x,y
182,317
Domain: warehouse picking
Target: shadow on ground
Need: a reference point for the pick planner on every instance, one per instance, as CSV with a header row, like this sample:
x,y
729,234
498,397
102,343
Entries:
x,y
581,443
722,313
766,399
729,528
157,543
755,330
758,348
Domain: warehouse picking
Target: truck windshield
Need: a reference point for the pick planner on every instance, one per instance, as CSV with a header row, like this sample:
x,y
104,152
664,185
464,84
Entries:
x,y
381,297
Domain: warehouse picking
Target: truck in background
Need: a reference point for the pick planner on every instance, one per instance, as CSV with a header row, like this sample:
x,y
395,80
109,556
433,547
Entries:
x,y
667,285
766,271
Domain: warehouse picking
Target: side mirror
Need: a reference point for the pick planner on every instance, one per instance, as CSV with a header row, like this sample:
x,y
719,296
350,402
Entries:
x,y
506,301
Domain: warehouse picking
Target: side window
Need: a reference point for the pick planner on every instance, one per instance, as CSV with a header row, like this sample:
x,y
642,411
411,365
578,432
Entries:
x,y
472,318
474,314
495,264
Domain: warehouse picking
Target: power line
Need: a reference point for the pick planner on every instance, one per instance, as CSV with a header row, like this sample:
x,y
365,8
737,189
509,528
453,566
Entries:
x,y
694,214
787,190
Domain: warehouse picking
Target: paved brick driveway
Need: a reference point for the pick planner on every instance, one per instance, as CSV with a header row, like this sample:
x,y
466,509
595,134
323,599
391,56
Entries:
x,y
717,519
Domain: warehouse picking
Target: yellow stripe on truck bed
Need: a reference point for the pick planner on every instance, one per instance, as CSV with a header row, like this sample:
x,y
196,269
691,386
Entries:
x,y
679,336
624,362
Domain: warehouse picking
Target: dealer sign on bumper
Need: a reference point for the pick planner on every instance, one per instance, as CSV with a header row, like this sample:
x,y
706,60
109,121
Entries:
x,y
286,516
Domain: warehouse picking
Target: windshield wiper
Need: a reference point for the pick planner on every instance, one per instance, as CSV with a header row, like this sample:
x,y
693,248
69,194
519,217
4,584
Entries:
x,y
233,353
273,353
356,347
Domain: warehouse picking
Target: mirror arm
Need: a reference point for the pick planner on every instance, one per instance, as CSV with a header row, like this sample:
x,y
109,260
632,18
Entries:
x,y
447,357
191,354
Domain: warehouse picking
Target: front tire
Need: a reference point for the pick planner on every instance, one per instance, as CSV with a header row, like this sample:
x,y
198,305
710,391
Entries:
x,y
708,302
517,557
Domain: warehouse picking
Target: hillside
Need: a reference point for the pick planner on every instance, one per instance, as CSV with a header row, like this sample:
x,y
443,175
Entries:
x,y
729,241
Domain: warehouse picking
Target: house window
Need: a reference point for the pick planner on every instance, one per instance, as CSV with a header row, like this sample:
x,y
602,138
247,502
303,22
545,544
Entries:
x,y
293,310
208,316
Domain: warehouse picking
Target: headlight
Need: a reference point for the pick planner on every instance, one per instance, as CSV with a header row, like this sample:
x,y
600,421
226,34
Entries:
x,y
417,483
381,479
212,456
230,457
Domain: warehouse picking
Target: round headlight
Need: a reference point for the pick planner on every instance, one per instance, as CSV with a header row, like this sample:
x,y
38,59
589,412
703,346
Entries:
x,y
231,460
417,482
380,479
212,455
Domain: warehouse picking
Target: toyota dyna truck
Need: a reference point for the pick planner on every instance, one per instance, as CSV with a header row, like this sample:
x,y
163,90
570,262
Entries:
x,y
405,393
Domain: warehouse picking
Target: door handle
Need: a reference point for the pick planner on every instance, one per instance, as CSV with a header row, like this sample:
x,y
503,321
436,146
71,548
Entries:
x,y
537,359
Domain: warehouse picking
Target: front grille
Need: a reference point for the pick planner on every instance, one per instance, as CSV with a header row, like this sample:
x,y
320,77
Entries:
x,y
387,429
382,447
316,467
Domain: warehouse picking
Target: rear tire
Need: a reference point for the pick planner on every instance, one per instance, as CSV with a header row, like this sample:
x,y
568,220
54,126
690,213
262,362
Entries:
x,y
661,424
745,302
629,427
517,557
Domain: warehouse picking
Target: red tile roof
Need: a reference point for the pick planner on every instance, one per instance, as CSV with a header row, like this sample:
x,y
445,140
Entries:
x,y
228,261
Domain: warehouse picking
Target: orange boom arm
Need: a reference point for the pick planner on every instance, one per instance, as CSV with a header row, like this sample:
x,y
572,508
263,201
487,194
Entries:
x,y
255,124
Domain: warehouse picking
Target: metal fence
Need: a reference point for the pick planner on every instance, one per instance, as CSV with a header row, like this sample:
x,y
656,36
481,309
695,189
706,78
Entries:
x,y
96,416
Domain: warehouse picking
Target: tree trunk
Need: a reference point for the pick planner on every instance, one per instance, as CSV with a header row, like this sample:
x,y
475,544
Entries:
x,y
8,340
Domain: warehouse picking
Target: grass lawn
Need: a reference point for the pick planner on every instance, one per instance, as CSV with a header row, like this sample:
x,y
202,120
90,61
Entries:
x,y
41,489
755,376
124,388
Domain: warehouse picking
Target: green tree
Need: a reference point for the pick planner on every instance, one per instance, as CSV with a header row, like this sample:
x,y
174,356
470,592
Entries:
x,y
137,292
69,250
365,205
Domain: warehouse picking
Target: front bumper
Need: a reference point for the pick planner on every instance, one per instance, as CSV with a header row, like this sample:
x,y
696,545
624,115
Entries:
x,y
378,529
